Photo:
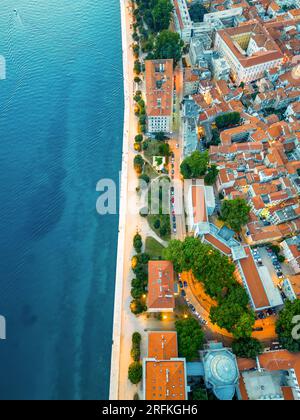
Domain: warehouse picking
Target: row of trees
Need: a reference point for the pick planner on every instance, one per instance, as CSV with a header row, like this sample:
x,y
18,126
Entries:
x,y
140,111
216,272
135,370
139,265
197,165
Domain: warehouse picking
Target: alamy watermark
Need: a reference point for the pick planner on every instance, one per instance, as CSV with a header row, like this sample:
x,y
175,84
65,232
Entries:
x,y
296,329
2,328
2,68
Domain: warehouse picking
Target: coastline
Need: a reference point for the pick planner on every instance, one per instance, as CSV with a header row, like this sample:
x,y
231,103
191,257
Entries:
x,y
118,301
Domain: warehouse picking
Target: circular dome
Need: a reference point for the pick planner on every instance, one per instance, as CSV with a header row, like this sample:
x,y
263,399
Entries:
x,y
223,369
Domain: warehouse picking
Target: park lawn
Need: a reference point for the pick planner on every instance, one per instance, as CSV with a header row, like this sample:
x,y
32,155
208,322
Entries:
x,y
154,248
164,221
148,170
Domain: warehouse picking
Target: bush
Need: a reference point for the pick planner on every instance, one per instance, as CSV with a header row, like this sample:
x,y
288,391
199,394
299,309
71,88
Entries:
x,y
135,373
139,138
136,346
135,353
157,224
138,243
136,338
137,307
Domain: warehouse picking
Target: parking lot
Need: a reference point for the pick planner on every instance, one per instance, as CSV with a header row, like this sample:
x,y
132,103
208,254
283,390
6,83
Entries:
x,y
265,256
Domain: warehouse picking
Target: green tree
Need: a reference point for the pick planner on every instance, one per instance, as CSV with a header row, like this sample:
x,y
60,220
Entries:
x,y
174,253
137,243
164,149
139,138
244,326
145,178
138,163
235,213
136,347
190,338
287,326
136,338
248,348
137,306
137,67
211,176
168,45
226,315
199,394
197,12
162,13
195,165
135,373
226,120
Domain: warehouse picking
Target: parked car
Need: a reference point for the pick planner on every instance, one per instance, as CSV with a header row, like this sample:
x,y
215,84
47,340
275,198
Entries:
x,y
185,284
180,284
192,307
182,292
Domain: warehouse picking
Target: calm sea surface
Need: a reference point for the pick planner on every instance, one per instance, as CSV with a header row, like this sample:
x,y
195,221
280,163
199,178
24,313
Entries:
x,y
61,117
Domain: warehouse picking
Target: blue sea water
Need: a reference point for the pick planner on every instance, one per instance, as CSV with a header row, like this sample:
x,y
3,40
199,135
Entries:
x,y
61,118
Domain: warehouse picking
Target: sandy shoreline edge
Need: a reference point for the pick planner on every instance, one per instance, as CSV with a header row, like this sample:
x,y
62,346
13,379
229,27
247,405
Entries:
x,y
118,300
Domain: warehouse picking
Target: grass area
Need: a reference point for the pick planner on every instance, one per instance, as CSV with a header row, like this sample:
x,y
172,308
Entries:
x,y
164,231
154,248
159,207
153,149
148,170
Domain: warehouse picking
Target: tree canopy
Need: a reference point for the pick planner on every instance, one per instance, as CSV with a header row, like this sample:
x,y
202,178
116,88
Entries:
x,y
195,165
248,348
216,272
162,14
199,394
197,12
190,338
212,174
235,213
288,326
168,44
226,120
135,372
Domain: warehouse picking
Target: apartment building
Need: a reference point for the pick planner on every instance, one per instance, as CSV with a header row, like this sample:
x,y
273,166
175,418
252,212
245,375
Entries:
x,y
161,287
291,251
249,50
274,375
164,373
159,95
182,20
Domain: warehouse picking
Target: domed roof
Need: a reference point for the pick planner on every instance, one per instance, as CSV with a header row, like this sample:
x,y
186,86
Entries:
x,y
223,368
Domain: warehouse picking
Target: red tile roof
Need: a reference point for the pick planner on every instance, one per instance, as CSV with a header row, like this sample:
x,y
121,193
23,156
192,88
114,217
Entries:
x,y
159,87
161,285
254,281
